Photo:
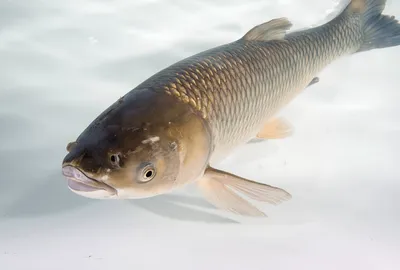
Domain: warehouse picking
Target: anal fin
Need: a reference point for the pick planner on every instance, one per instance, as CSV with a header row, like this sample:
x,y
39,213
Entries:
x,y
313,81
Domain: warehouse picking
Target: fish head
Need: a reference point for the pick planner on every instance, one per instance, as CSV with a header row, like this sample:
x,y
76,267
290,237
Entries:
x,y
143,145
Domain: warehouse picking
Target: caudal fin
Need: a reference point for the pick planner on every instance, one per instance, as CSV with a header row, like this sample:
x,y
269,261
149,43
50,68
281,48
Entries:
x,y
379,31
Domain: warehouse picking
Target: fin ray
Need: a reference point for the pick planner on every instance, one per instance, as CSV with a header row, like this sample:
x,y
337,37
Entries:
x,y
275,128
221,189
379,30
272,30
221,197
255,190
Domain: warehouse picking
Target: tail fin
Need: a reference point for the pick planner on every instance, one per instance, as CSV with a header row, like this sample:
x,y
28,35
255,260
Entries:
x,y
380,31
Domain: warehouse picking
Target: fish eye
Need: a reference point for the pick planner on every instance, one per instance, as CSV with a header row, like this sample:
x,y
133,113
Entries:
x,y
114,159
148,173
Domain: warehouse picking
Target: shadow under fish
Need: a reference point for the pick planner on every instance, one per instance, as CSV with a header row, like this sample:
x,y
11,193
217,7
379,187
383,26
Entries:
x,y
50,197
178,207
39,202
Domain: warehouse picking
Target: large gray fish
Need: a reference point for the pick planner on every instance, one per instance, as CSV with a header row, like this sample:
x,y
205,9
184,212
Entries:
x,y
166,132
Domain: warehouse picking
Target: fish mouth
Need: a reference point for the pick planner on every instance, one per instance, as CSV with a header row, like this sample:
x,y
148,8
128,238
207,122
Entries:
x,y
80,182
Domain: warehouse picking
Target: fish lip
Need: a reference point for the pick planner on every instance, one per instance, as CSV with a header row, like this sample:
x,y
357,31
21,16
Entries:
x,y
74,174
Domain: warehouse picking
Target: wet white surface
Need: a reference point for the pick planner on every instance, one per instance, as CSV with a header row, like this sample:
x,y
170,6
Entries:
x,y
64,62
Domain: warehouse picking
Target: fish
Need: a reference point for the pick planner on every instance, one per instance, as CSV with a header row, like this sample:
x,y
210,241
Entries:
x,y
170,130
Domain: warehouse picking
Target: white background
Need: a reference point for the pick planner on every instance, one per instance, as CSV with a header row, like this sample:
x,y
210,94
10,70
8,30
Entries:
x,y
63,62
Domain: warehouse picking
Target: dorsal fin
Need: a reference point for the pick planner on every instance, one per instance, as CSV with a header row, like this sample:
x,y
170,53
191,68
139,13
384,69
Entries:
x,y
271,30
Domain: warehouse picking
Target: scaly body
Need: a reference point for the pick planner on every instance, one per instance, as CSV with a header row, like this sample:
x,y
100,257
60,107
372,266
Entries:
x,y
167,131
237,87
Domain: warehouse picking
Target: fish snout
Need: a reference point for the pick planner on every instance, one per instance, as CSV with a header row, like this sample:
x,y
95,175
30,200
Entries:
x,y
80,183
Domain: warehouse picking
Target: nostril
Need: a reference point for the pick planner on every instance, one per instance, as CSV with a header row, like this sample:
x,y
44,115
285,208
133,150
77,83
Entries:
x,y
71,146
75,153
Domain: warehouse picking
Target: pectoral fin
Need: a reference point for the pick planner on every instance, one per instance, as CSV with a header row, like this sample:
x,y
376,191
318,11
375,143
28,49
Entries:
x,y
275,128
220,189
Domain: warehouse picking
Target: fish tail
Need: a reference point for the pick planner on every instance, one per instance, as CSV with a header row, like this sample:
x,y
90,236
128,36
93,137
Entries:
x,y
378,30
